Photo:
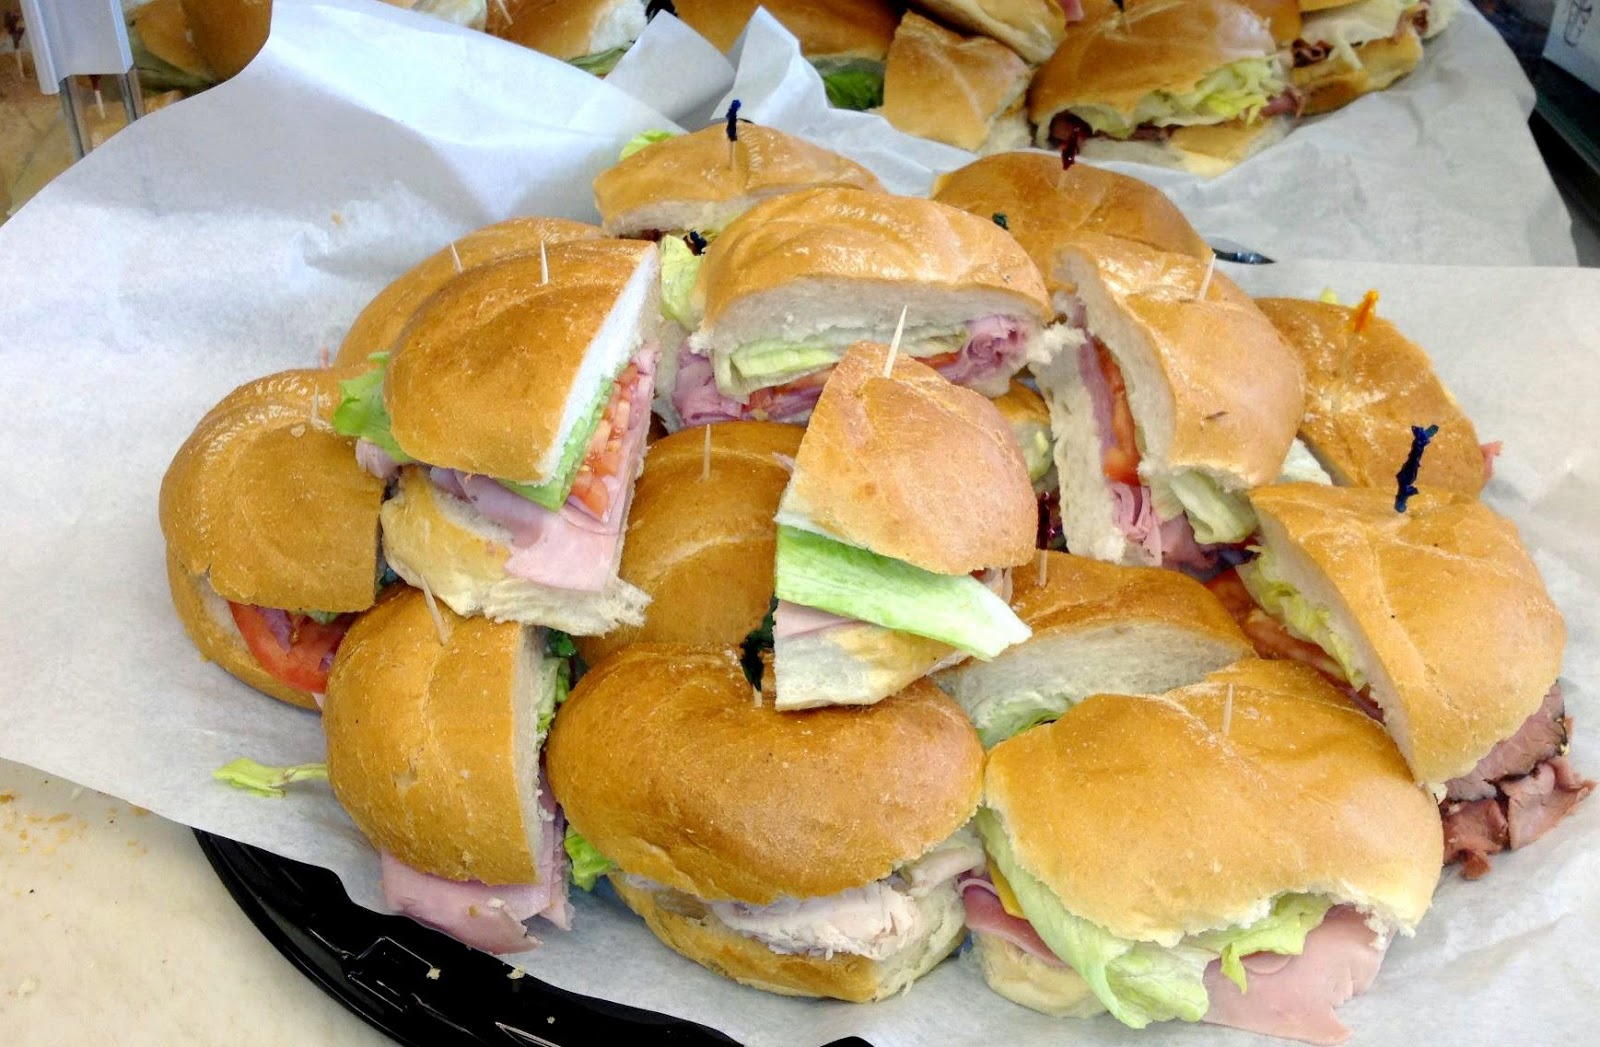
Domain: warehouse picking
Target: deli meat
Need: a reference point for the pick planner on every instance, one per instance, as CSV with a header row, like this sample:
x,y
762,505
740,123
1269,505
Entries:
x,y
985,915
1541,736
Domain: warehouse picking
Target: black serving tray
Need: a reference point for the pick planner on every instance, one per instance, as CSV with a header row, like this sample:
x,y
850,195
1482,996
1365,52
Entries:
x,y
377,966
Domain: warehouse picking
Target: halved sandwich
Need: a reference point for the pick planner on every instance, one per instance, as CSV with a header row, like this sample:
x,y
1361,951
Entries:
x,y
435,725
515,407
1197,84
1364,389
963,91
744,836
1097,629
1168,409
590,34
1240,851
1436,622
797,279
272,534
1346,50
908,505
1031,28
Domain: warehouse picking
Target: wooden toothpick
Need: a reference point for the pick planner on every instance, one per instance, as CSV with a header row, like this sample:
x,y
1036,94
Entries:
x,y
439,624
455,257
1227,712
894,343
544,265
705,457
1044,567
1205,281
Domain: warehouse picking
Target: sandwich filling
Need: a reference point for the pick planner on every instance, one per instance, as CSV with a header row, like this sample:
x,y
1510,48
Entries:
x,y
566,530
1281,973
1520,790
852,83
1339,33
1245,91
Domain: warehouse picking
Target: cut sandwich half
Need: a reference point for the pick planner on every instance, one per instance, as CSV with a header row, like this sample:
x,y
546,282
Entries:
x,y
515,406
963,91
435,725
1168,409
908,505
743,835
590,34
1240,851
1097,629
1031,28
797,279
1351,49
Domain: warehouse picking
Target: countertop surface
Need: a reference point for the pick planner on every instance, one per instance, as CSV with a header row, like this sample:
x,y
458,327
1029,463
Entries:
x,y
114,929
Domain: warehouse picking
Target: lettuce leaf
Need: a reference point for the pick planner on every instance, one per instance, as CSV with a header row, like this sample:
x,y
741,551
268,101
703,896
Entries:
x,y
644,140
854,88
601,62
1239,88
1303,617
842,579
1215,515
361,412
769,362
680,267
1038,454
553,493
1283,931
1012,714
1139,982
588,864
263,780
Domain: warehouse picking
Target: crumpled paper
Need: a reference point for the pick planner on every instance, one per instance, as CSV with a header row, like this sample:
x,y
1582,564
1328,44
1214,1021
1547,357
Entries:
x,y
239,233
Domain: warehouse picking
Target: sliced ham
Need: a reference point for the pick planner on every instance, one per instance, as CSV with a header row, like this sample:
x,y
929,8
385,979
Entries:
x,y
376,460
985,915
1294,997
790,620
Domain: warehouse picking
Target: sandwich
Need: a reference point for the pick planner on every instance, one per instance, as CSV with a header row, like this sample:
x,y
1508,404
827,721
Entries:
x,y
743,835
272,534
1436,622
1045,207
378,326
1097,629
672,185
1196,84
590,34
796,279
701,538
164,53
845,40
889,566
514,409
1031,28
1240,851
1176,399
1366,383
434,725
963,91
1025,411
1346,50
227,33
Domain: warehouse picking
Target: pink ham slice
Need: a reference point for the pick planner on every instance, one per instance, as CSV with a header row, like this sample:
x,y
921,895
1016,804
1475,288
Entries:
x,y
1073,9
985,915
790,620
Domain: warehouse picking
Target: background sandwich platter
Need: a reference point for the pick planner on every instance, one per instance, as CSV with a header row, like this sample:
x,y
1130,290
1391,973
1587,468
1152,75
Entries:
x,y
203,265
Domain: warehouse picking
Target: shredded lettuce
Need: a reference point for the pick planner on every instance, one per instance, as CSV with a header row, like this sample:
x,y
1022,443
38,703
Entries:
x,y
1009,716
1215,515
588,864
1303,617
769,362
361,412
557,673
644,140
258,778
1239,88
842,579
601,62
1283,931
858,89
680,267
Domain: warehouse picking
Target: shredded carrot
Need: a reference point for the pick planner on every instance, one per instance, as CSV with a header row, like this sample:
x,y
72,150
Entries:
x,y
1364,311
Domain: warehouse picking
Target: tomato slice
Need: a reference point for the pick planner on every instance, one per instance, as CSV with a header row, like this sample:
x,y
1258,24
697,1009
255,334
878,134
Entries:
x,y
762,399
1121,462
1229,588
301,664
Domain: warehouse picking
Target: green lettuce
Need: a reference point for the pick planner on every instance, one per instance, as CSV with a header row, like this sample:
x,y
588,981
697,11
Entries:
x,y
1009,716
771,361
258,778
1139,982
1283,931
1239,88
588,864
644,140
601,62
1303,617
552,494
1215,515
361,412
557,673
858,89
680,267
1037,452
842,579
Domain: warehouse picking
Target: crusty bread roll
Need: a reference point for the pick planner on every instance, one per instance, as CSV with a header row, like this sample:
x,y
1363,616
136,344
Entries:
x,y
685,182
228,33
493,372
163,27
436,541
826,259
378,326
700,541
828,30
433,745
912,467
665,761
1332,83
1058,991
1364,391
1443,609
1097,629
1031,28
963,91
1046,207
1282,18
568,29
1285,787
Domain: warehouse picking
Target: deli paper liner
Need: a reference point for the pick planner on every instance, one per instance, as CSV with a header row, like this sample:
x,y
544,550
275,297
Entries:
x,y
238,233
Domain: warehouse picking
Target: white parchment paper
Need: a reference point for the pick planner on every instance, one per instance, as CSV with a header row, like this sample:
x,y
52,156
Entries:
x,y
1439,169
238,233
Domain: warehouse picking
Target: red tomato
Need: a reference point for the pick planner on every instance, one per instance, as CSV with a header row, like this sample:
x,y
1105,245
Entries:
x,y
301,664
1122,457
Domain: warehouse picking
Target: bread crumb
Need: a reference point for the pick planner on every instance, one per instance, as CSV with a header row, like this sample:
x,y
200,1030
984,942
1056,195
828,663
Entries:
x,y
517,974
433,974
